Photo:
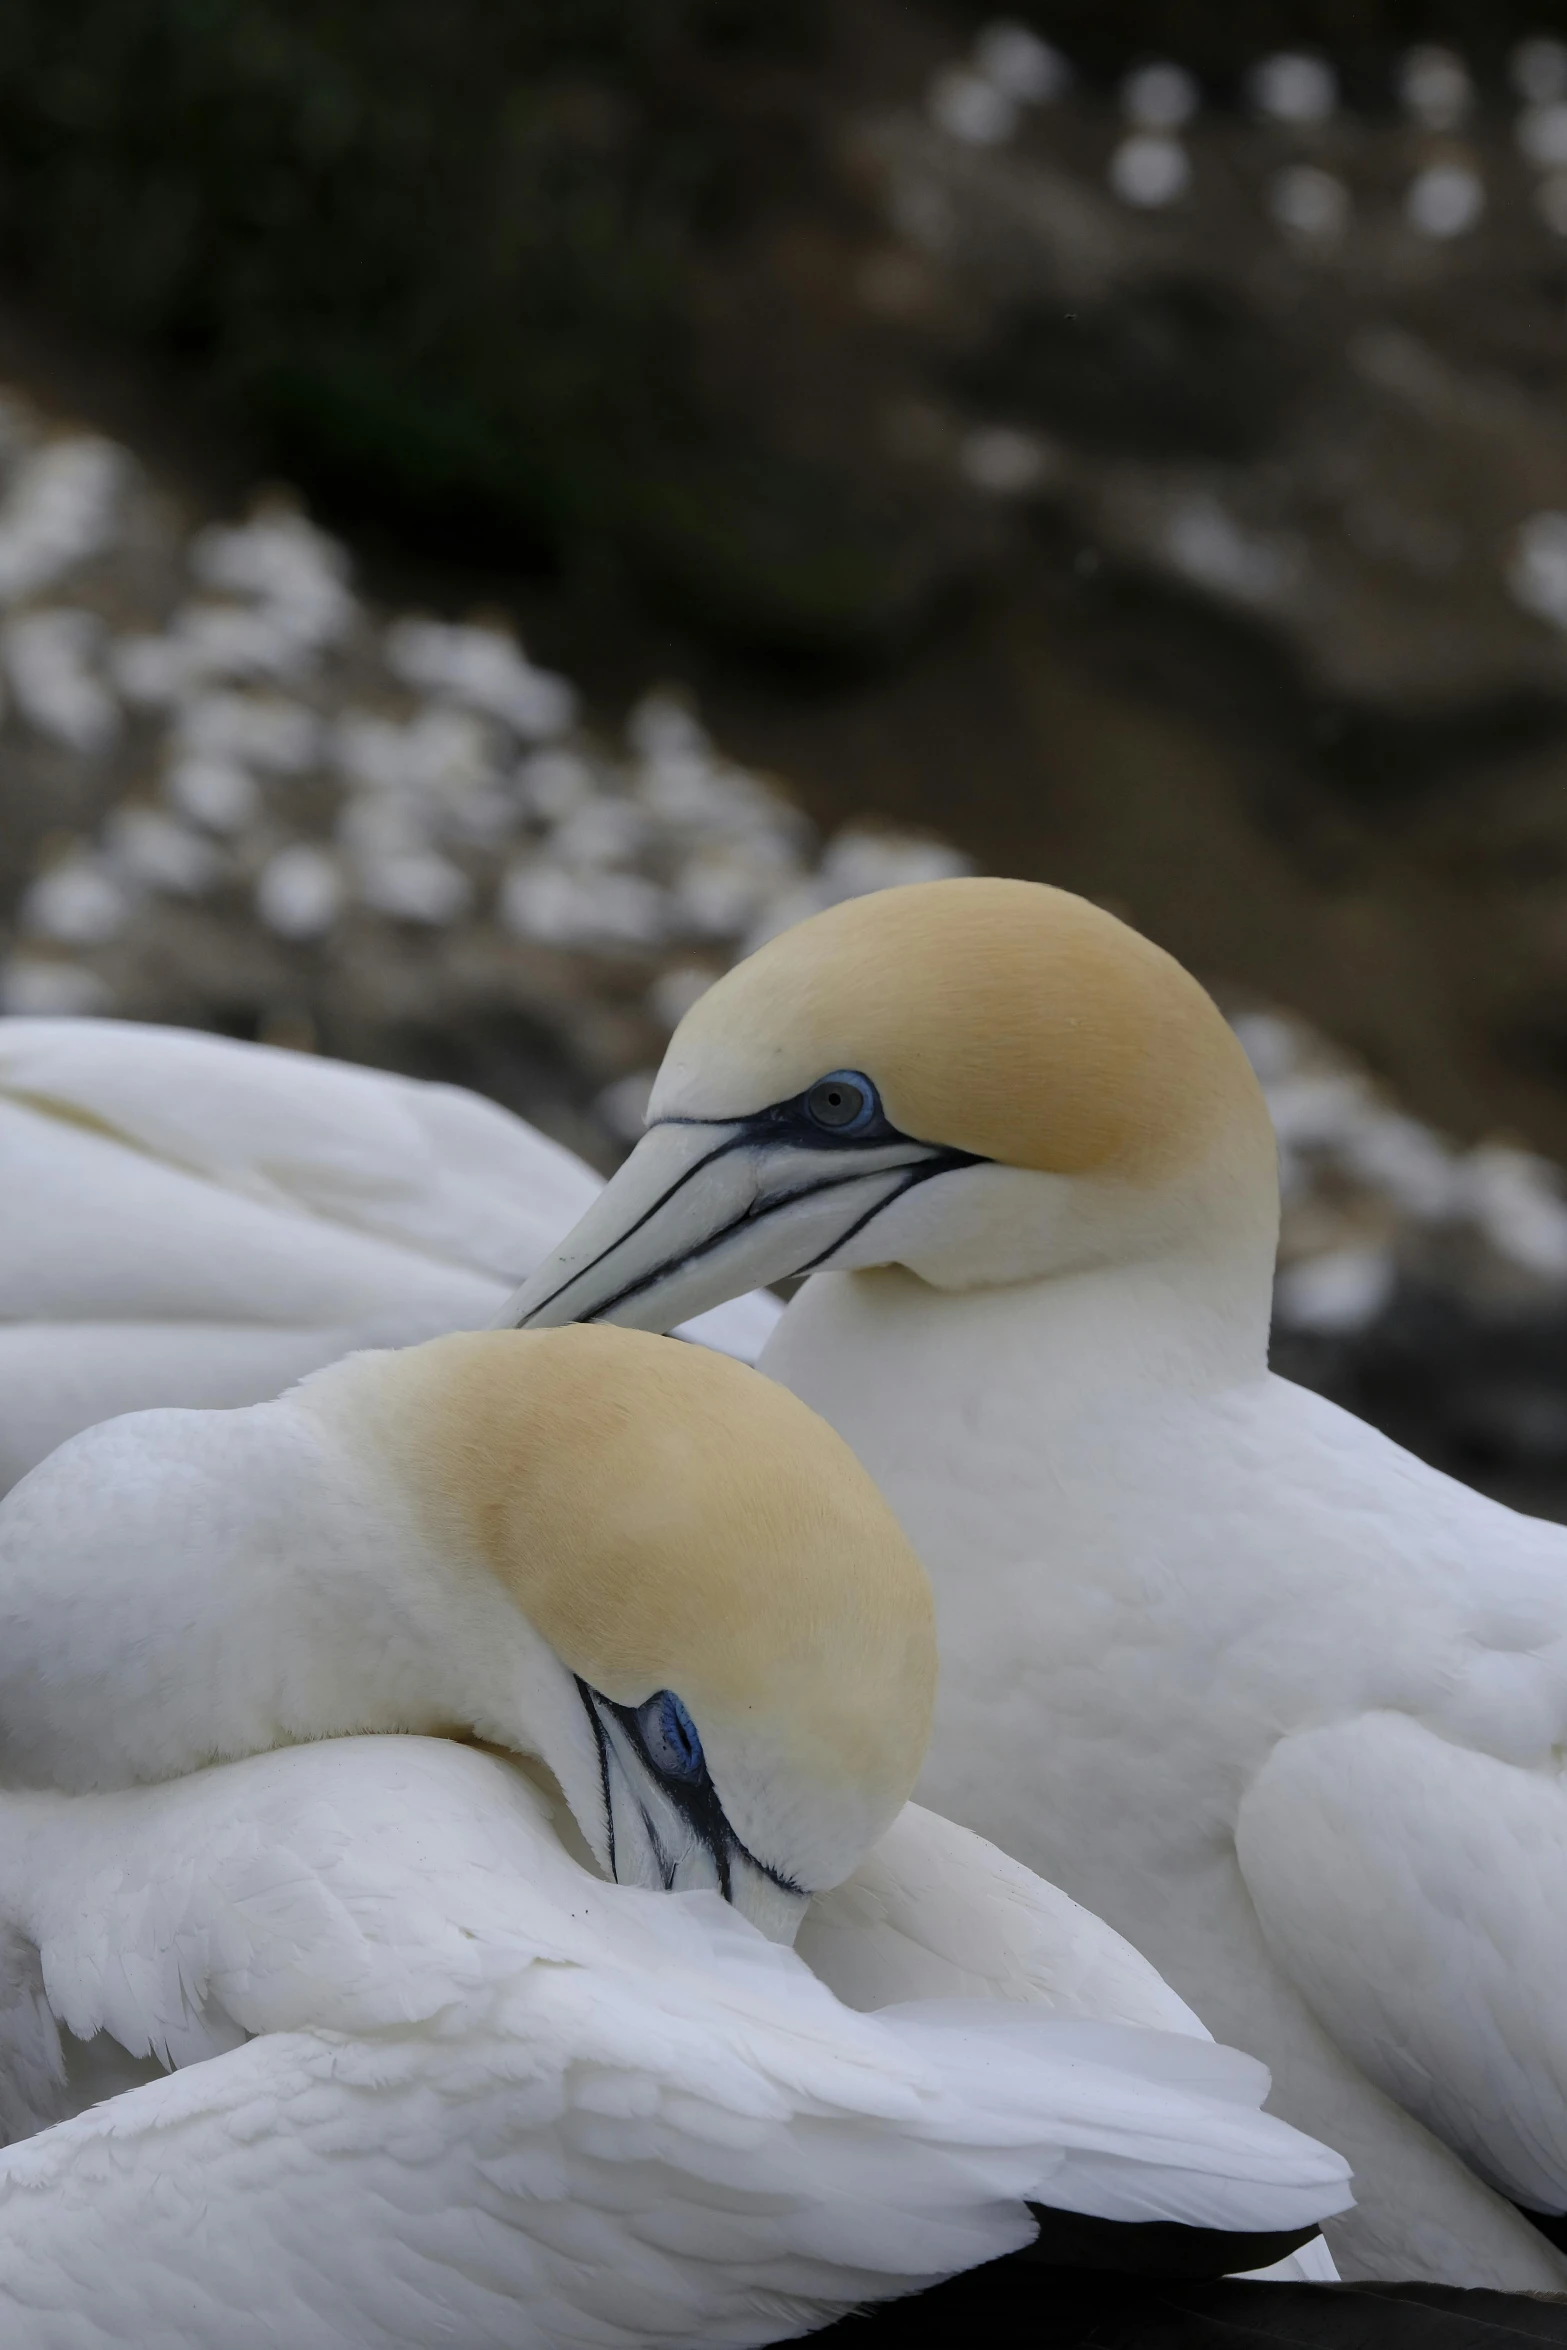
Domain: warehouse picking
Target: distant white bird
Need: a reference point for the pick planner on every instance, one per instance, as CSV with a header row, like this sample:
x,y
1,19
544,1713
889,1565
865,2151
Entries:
x,y
493,2100
193,1221
1285,1706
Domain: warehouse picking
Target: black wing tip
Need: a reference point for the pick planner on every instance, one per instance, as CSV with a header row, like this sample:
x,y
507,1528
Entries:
x,y
1027,2303
1155,2248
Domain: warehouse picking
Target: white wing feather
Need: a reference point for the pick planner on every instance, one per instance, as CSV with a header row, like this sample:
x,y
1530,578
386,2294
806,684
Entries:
x,y
933,1911
1416,1892
546,2163
192,1220
496,2100
429,1168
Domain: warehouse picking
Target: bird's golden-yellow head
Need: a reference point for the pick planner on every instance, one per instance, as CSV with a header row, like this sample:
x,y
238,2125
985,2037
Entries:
x,y
750,1635
985,1081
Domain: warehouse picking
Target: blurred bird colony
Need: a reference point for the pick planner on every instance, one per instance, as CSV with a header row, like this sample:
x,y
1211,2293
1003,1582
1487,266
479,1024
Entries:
x,y
292,815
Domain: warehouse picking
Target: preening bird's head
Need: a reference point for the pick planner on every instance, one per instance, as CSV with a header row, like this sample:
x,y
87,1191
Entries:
x,y
738,1663
984,1081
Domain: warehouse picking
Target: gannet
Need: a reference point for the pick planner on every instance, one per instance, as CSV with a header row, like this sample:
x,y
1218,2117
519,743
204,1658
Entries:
x,y
492,2068
642,1563
443,2083
1282,1704
190,1220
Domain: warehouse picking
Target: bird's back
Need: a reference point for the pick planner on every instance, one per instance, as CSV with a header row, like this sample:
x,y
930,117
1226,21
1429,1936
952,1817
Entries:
x,y
192,1220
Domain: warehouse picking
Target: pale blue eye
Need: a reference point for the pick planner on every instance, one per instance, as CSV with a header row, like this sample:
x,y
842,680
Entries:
x,y
844,1102
669,1734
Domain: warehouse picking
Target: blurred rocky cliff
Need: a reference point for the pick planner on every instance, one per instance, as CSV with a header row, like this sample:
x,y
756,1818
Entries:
x,y
1125,446
1130,440
258,803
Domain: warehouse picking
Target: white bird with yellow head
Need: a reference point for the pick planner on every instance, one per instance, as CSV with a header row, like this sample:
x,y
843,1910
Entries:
x,y
1283,1704
454,2063
641,1563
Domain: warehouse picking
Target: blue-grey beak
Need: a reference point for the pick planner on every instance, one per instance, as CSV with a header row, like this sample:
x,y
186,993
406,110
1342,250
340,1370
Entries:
x,y
704,1210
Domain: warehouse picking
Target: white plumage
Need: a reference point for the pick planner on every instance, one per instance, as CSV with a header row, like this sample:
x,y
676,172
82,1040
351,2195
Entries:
x,y
495,2101
1283,1704
193,1221
641,1563
442,2079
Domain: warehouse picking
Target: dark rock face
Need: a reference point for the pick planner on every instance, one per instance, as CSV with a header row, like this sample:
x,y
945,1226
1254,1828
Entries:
x,y
1184,553
1168,368
438,257
1480,1395
1221,38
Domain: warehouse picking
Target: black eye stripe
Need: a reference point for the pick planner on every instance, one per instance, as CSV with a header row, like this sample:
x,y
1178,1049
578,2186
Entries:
x,y
693,1796
842,1109
792,1121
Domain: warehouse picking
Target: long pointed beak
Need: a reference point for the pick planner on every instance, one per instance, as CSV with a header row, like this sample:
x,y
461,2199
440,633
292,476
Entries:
x,y
700,1212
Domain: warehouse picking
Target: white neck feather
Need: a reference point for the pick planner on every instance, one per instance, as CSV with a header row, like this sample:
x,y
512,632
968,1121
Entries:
x,y
179,1586
1092,1272
1076,1348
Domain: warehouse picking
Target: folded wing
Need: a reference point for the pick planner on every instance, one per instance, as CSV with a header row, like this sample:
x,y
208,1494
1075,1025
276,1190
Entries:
x,y
519,2089
191,1220
934,1911
1416,1892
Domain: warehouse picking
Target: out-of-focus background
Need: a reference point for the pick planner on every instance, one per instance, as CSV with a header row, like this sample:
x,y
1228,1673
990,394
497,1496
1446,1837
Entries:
x,y
503,507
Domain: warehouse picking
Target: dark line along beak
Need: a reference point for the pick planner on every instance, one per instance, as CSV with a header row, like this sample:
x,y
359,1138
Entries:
x,y
663,1818
701,1212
